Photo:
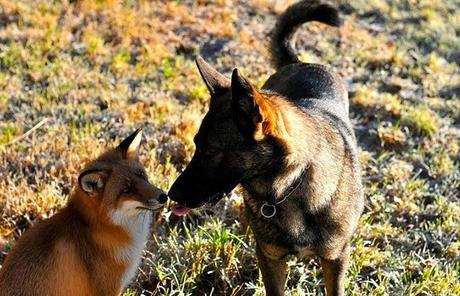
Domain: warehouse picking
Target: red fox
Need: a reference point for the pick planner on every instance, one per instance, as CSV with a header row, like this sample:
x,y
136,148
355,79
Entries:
x,y
94,245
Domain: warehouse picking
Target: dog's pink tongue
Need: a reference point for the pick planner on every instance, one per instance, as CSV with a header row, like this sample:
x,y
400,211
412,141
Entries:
x,y
180,210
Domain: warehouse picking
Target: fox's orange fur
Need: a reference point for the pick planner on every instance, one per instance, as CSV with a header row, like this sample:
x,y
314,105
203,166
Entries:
x,y
92,246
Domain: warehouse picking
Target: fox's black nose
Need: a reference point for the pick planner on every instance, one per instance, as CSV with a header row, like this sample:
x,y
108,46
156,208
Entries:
x,y
163,198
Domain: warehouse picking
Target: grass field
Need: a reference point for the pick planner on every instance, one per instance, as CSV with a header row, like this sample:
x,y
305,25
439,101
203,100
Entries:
x,y
87,73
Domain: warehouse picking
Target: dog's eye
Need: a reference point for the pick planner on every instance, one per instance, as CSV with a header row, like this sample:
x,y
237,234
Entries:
x,y
213,150
142,175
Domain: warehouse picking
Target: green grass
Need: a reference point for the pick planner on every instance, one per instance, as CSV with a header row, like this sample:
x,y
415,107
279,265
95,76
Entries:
x,y
99,69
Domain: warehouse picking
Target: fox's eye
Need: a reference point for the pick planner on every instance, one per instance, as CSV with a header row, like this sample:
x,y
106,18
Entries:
x,y
128,188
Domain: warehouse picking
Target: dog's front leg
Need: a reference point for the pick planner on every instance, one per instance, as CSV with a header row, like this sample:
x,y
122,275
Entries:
x,y
334,273
273,272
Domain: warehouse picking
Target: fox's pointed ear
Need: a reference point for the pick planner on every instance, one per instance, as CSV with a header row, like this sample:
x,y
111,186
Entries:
x,y
246,106
129,147
92,181
216,82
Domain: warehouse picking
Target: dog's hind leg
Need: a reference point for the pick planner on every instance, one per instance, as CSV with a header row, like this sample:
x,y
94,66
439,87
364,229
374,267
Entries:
x,y
334,273
273,272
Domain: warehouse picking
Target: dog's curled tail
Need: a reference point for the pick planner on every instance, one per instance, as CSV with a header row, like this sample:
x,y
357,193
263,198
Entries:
x,y
297,14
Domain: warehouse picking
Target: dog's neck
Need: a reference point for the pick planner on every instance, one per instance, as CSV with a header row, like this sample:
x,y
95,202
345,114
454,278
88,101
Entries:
x,y
310,145
298,151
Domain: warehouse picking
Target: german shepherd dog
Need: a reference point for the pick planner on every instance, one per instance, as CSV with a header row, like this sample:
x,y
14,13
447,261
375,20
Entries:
x,y
291,147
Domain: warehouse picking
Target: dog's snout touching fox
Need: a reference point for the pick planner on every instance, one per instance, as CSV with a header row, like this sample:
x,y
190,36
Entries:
x,y
94,245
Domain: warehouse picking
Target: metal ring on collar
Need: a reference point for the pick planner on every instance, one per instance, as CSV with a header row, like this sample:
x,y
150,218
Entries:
x,y
265,207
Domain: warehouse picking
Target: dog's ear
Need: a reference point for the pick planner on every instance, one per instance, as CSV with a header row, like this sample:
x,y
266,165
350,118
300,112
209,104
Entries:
x,y
92,182
129,147
248,107
215,82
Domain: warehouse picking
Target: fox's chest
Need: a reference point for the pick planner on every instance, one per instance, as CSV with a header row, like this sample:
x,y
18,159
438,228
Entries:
x,y
131,255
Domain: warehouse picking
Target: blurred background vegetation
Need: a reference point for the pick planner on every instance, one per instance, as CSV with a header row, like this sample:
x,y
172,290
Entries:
x,y
76,76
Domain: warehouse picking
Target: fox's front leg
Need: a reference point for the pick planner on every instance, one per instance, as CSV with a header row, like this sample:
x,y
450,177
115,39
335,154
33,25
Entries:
x,y
273,272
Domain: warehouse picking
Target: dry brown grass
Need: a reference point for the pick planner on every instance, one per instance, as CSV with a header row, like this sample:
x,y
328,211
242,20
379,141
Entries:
x,y
99,69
